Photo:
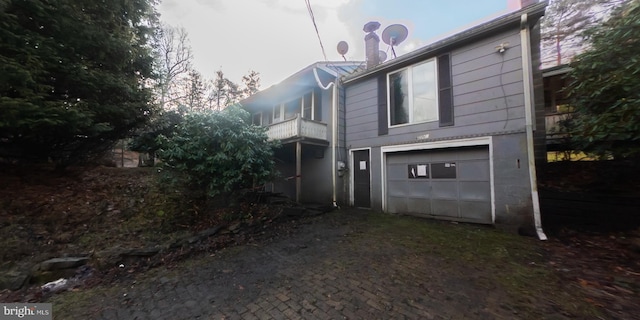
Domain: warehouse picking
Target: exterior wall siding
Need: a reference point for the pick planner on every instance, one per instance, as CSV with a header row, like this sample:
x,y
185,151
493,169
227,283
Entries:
x,y
488,99
487,93
513,204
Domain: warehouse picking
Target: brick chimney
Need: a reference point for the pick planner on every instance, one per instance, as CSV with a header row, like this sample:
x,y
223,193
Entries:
x,y
372,44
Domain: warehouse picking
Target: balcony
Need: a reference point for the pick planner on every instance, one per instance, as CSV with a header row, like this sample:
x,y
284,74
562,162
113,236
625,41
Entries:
x,y
298,129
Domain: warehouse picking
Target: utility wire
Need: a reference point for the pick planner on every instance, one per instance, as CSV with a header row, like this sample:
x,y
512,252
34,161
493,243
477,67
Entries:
x,y
313,19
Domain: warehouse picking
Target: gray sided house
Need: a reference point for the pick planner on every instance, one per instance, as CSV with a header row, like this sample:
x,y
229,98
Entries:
x,y
302,113
452,130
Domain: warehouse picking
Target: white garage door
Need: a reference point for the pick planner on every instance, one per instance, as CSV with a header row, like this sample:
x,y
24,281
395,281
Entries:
x,y
451,183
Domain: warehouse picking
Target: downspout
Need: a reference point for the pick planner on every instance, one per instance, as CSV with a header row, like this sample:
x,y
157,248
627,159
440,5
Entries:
x,y
334,139
334,134
527,71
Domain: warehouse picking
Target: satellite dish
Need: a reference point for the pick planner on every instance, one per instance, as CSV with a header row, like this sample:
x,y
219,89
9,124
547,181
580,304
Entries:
x,y
393,35
382,56
343,48
371,26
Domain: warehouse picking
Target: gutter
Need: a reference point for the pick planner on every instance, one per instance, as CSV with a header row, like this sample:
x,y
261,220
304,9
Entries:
x,y
529,103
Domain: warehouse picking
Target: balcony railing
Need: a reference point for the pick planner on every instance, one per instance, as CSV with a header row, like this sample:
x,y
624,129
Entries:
x,y
297,128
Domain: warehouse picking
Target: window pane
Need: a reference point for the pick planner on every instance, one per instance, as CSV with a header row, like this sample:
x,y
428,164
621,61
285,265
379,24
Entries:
x,y
276,113
291,109
307,111
445,170
257,119
425,98
398,98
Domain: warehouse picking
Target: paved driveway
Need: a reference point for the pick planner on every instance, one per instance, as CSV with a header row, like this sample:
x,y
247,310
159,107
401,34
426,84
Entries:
x,y
332,267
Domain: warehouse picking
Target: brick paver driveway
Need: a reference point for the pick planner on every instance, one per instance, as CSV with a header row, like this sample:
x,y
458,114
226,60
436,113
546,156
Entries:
x,y
332,267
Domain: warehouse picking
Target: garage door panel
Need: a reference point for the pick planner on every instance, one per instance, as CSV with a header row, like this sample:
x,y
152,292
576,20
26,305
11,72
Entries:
x,y
447,208
444,189
478,211
472,154
475,190
419,206
397,159
397,205
397,172
419,188
473,170
464,193
418,158
397,188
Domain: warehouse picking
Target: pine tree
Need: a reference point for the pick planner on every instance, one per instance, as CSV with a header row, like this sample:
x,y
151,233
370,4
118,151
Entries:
x,y
73,76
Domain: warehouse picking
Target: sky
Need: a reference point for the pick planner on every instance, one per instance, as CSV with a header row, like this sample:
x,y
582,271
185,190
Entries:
x,y
277,38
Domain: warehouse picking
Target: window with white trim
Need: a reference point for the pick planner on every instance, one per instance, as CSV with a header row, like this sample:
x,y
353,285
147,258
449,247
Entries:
x,y
413,94
278,113
306,106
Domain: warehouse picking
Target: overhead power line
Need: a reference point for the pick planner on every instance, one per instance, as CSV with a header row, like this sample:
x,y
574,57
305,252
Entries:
x,y
315,26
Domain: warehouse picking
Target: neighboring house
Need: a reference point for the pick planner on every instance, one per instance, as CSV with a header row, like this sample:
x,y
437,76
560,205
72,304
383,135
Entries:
x,y
556,108
301,112
453,129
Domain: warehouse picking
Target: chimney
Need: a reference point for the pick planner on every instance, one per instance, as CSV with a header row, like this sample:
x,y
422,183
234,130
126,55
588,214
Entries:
x,y
519,4
372,44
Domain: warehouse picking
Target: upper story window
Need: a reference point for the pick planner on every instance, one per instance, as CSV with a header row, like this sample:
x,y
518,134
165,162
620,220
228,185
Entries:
x,y
278,113
413,94
307,106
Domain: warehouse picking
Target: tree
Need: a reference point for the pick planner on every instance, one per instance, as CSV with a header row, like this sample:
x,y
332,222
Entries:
x,y
173,62
163,123
219,152
564,22
605,91
195,91
224,92
72,76
251,83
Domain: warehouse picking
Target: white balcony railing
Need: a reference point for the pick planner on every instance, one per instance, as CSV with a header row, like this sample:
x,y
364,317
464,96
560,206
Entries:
x,y
297,128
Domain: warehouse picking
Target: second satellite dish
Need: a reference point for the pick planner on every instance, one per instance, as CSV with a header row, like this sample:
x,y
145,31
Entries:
x,y
343,48
394,35
382,56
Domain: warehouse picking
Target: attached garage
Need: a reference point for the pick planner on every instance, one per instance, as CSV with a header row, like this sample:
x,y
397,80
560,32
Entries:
x,y
448,183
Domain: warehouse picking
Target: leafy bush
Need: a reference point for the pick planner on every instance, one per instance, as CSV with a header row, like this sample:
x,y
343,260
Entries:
x,y
218,152
606,85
